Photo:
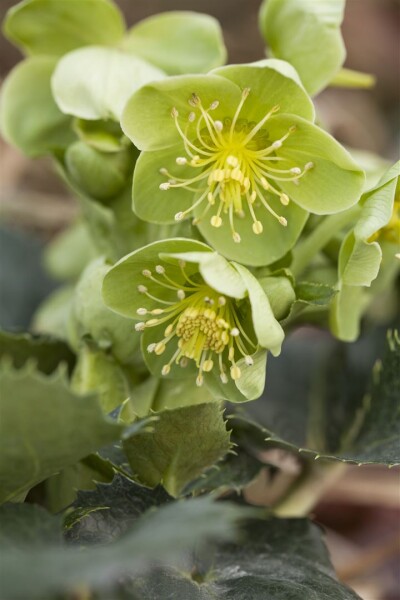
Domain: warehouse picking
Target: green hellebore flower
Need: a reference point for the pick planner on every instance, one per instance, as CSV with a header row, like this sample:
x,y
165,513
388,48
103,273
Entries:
x,y
237,150
198,312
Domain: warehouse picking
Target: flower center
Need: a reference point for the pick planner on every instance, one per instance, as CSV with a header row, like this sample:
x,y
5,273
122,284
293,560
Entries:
x,y
205,325
237,166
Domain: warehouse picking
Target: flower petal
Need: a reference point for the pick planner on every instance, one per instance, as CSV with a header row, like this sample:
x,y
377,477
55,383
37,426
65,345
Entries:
x,y
336,181
269,333
96,82
257,250
147,119
178,42
271,82
120,287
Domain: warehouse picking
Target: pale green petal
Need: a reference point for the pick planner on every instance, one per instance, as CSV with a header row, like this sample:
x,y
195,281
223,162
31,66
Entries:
x,y
248,387
251,383
96,82
336,181
216,271
280,292
359,261
178,42
29,117
269,333
120,291
307,34
378,204
147,119
149,202
58,26
271,82
257,250
155,363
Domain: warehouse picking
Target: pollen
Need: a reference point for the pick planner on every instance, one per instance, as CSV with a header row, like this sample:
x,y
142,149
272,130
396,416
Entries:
x,y
196,324
237,168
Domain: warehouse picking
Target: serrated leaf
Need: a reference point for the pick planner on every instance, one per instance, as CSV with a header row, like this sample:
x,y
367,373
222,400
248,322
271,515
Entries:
x,y
104,514
45,427
161,535
23,525
278,559
183,443
236,471
325,409
46,352
297,30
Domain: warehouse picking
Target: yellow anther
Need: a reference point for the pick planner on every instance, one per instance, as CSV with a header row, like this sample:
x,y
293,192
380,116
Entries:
x,y
159,348
165,370
284,198
216,221
235,372
257,227
207,366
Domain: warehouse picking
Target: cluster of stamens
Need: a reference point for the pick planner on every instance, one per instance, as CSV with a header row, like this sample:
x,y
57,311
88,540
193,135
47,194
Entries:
x,y
237,163
204,322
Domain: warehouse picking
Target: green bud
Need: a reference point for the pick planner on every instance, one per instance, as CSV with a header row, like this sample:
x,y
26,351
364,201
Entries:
x,y
101,175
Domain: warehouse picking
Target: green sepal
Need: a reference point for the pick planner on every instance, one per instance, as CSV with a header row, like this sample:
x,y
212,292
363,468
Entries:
x,y
334,183
276,81
120,291
306,34
267,329
147,120
257,250
55,27
29,116
178,42
114,76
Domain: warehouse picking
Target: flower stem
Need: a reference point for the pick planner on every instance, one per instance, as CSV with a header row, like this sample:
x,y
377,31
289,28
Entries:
x,y
316,240
308,489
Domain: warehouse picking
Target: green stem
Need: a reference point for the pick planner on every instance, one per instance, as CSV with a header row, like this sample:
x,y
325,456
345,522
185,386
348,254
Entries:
x,y
308,489
322,234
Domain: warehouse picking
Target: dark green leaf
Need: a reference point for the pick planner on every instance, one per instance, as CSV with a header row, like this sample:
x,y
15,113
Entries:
x,y
161,535
277,560
236,471
45,427
183,443
325,409
110,510
46,352
23,525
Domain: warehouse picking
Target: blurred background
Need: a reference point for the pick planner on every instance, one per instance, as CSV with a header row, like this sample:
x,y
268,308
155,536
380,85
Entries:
x,y
361,514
